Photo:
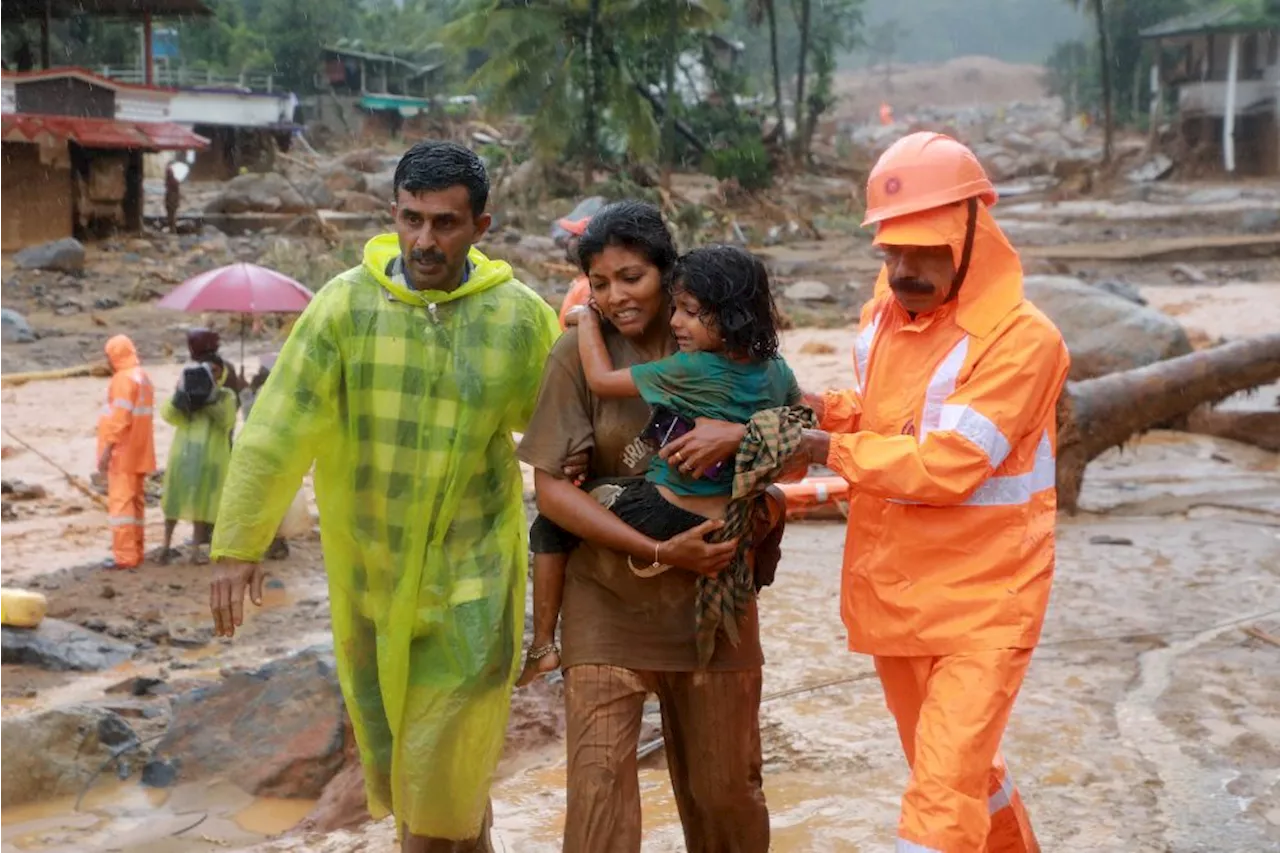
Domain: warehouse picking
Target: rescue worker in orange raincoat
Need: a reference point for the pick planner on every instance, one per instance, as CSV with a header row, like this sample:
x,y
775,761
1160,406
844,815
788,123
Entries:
x,y
947,439
126,450
580,290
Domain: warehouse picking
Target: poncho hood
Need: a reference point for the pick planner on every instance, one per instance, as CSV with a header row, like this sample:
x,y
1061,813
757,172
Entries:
x,y
380,251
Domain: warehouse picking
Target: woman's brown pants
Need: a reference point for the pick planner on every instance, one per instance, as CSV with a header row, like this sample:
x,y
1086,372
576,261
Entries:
x,y
711,724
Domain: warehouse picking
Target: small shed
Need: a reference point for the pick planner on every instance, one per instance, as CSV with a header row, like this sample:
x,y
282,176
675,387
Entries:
x,y
66,175
1224,62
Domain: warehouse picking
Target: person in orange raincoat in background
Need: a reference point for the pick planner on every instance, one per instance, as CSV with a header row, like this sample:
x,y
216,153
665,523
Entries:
x,y
126,450
580,290
947,440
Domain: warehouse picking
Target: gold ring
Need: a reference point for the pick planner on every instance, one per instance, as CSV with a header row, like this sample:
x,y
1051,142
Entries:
x,y
679,458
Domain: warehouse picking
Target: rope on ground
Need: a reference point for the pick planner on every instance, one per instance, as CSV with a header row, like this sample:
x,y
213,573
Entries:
x,y
75,481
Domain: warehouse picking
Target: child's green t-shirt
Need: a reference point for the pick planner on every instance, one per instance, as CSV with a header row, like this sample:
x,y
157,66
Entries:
x,y
709,385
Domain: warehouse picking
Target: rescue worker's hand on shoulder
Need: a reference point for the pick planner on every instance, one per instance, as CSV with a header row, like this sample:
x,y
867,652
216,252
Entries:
x,y
231,579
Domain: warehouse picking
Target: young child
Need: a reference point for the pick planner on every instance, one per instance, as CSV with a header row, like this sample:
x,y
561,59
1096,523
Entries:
x,y
727,368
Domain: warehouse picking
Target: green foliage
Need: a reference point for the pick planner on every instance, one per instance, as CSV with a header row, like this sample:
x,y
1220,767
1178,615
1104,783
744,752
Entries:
x,y
746,161
542,55
1074,66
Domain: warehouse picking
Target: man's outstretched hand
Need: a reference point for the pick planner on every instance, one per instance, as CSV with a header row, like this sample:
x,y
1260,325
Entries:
x,y
226,594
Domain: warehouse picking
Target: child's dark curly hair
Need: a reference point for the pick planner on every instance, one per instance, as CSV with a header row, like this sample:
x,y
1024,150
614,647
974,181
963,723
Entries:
x,y
732,286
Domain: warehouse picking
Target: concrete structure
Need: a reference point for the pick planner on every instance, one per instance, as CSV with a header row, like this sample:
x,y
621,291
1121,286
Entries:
x,y
72,166
1225,64
244,128
144,11
371,95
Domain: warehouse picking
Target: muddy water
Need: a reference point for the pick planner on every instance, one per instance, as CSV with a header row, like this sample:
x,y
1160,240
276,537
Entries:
x,y
128,817
1106,742
1146,723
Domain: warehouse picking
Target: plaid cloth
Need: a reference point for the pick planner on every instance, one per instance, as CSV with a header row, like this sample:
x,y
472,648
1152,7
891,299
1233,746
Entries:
x,y
773,437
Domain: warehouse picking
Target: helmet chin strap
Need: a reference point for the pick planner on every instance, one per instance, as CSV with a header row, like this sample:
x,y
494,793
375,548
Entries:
x,y
971,225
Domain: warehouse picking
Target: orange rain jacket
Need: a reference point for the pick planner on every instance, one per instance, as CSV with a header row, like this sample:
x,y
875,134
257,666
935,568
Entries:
x,y
127,417
948,441
579,294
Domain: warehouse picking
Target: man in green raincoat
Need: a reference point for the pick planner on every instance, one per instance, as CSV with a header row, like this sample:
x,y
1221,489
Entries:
x,y
403,381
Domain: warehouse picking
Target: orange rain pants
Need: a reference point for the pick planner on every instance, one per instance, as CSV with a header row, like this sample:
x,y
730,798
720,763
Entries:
x,y
961,797
126,505
126,424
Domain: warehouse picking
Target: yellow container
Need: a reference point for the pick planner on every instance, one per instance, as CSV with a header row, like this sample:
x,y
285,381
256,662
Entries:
x,y
22,608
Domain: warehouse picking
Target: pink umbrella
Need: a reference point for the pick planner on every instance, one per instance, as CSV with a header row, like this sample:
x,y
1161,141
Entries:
x,y
240,289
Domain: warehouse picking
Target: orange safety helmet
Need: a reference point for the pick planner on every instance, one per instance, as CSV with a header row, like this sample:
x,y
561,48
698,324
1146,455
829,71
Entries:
x,y
922,171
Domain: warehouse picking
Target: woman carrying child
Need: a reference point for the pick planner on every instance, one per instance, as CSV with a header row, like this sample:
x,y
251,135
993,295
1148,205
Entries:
x,y
628,623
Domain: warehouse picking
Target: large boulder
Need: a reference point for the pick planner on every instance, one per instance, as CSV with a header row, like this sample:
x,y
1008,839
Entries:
x,y
258,193
1104,332
341,179
62,646
317,191
57,753
369,160
277,731
355,202
66,255
15,327
380,184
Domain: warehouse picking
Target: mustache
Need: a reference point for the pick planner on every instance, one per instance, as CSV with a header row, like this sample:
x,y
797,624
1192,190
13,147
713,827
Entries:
x,y
911,285
418,256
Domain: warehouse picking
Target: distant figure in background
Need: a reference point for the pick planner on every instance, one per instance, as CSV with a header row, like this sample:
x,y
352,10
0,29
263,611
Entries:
x,y
172,198
886,114
24,58
279,548
126,451
203,413
203,346
250,392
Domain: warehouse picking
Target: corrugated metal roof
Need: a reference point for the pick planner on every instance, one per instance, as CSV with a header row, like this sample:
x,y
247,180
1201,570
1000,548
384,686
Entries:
x,y
17,10
99,132
20,77
1224,17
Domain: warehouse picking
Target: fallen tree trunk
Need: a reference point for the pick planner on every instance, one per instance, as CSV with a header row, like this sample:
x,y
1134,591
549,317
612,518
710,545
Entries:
x,y
1261,429
93,368
1098,414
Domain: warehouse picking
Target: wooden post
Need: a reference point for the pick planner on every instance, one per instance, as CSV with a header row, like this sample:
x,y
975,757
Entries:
x,y
1229,116
1157,100
147,60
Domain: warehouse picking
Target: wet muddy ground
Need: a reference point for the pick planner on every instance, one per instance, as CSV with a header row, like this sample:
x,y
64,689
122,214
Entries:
x,y
1147,723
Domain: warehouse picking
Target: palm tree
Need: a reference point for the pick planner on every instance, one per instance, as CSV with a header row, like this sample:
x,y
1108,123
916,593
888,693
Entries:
x,y
1104,58
565,61
804,15
757,12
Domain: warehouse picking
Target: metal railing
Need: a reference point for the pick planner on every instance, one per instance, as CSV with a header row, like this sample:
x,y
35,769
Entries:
x,y
185,78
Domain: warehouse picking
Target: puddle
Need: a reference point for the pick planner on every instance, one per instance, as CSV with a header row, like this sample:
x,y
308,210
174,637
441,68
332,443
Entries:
x,y
125,816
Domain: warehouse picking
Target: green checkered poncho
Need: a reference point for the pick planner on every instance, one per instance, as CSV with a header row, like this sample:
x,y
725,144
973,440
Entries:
x,y
406,402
